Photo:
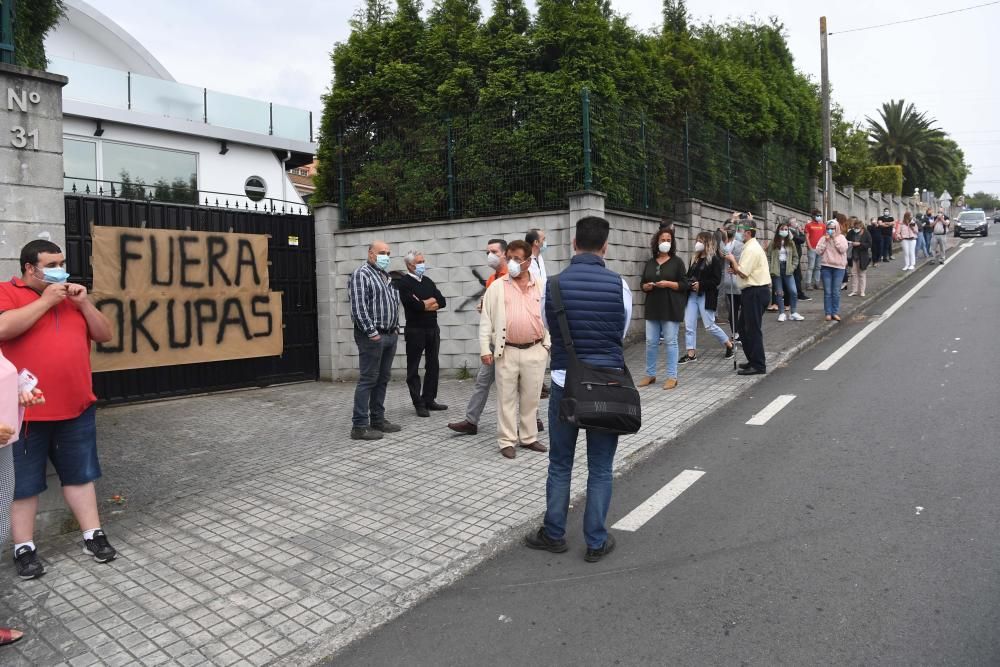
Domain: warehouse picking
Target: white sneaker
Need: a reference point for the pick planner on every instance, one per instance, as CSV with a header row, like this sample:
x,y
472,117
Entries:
x,y
796,317
781,318
853,294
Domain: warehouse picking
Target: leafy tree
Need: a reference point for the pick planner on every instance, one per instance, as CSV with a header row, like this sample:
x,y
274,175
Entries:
x,y
984,200
675,17
853,152
33,19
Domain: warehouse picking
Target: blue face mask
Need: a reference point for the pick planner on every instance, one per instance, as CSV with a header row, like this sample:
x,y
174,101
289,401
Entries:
x,y
382,262
54,275
420,269
545,246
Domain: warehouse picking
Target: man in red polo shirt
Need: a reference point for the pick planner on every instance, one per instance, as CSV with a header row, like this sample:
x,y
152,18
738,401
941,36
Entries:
x,y
46,325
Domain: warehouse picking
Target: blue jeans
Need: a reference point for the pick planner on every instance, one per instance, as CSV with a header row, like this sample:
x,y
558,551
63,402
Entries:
x,y
922,247
832,277
375,366
815,261
669,330
695,307
784,283
600,457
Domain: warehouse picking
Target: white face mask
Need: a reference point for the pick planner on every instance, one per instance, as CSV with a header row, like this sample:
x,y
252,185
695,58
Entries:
x,y
783,233
699,247
513,268
664,247
493,261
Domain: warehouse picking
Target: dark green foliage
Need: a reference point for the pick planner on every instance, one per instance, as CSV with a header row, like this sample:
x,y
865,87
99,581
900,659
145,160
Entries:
x,y
33,19
883,178
448,114
983,200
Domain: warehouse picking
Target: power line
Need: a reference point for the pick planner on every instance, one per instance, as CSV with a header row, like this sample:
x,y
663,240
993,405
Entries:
x,y
919,18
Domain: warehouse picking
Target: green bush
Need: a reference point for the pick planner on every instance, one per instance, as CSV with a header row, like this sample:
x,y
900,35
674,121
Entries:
x,y
884,178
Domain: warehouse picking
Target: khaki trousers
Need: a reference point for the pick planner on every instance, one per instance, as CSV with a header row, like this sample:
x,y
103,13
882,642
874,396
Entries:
x,y
859,278
519,377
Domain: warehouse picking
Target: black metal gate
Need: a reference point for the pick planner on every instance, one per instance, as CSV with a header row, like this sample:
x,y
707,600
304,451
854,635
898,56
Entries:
x,y
292,255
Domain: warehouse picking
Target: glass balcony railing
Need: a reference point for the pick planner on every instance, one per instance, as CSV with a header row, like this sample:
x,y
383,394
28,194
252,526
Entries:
x,y
126,90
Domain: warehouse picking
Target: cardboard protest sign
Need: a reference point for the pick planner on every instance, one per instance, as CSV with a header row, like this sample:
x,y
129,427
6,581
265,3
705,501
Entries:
x,y
181,297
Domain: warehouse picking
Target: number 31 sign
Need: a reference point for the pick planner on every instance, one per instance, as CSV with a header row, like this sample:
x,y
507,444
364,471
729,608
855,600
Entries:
x,y
22,137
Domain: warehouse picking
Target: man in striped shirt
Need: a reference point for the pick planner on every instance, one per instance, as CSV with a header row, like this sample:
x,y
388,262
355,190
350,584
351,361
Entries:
x,y
375,312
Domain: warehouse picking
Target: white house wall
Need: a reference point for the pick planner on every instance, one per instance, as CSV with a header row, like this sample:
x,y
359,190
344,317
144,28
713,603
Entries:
x,y
217,173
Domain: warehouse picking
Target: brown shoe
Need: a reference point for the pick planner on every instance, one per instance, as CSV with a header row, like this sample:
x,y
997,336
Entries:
x,y
540,425
545,392
508,452
670,384
535,447
646,381
464,427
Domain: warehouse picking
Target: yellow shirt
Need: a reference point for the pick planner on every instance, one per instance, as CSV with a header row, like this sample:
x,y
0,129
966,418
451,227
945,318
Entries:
x,y
753,264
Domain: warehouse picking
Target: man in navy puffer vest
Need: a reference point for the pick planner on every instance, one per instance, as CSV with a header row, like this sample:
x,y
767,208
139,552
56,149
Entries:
x,y
598,307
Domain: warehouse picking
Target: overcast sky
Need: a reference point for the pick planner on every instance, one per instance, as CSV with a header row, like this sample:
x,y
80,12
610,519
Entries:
x,y
280,52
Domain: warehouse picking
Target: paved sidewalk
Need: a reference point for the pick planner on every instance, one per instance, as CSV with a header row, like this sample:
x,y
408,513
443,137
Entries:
x,y
254,531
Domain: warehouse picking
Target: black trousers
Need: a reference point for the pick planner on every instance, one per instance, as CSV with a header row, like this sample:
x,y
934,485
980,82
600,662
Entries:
x,y
797,274
753,304
421,342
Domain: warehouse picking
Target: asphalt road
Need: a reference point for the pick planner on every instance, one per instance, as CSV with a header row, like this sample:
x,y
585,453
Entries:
x,y
858,526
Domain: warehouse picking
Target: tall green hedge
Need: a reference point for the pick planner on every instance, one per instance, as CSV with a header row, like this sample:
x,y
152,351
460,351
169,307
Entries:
x,y
884,178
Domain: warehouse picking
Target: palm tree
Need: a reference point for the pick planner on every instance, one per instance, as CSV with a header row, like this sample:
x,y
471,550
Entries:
x,y
911,139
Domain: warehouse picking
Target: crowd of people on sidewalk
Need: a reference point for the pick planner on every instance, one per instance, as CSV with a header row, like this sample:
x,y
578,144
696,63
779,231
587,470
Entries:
x,y
47,325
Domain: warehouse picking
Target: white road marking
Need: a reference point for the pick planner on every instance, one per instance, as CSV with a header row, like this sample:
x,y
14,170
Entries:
x,y
842,351
635,519
773,408
919,509
989,243
969,244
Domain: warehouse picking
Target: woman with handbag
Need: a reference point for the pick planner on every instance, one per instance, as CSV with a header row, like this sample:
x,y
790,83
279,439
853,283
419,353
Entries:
x,y
783,259
665,285
906,233
703,278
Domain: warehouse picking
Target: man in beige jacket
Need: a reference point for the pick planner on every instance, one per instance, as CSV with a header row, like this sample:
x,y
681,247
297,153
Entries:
x,y
511,325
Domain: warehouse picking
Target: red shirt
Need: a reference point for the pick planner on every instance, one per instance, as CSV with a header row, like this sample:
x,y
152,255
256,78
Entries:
x,y
814,232
56,350
500,273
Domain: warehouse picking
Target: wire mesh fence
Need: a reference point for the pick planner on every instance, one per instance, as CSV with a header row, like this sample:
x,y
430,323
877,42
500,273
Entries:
x,y
529,155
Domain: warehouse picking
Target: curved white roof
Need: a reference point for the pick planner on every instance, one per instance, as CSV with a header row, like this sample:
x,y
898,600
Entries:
x,y
88,36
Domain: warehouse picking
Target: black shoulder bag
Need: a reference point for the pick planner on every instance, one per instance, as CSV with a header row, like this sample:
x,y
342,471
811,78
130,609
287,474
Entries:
x,y
595,399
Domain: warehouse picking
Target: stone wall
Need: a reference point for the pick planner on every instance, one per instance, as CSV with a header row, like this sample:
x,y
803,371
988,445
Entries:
x,y
31,163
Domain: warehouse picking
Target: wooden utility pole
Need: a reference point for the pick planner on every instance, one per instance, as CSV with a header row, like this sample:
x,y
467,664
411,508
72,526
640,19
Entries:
x,y
825,111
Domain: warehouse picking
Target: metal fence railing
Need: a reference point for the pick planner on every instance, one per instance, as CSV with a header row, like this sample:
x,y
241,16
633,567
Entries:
x,y
527,156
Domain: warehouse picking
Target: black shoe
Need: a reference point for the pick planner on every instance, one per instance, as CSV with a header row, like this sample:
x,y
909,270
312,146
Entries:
x,y
365,433
540,425
730,352
745,365
433,405
686,358
98,547
594,555
28,565
543,542
751,371
805,297
545,392
387,426
422,411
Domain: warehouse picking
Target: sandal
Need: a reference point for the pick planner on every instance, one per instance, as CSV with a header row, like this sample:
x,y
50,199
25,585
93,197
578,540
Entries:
x,y
827,318
9,636
836,318
772,308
